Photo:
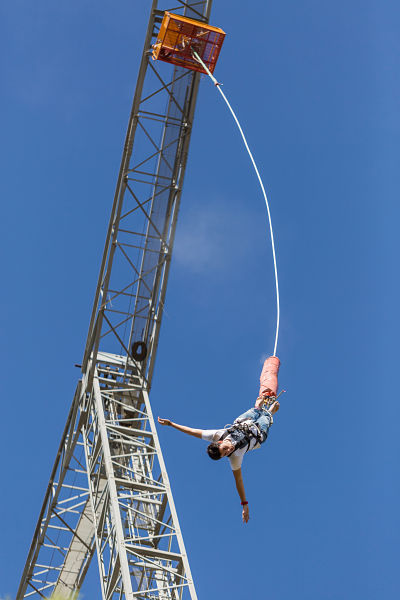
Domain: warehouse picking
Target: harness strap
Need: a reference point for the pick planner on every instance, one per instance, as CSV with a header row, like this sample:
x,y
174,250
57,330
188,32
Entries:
x,y
247,434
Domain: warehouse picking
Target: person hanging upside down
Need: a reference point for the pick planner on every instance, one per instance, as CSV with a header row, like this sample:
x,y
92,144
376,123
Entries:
x,y
248,432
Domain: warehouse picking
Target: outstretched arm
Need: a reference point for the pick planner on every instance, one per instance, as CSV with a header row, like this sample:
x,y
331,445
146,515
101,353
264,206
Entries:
x,y
240,488
183,428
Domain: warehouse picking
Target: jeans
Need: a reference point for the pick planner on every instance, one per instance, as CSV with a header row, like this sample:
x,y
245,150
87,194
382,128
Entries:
x,y
261,416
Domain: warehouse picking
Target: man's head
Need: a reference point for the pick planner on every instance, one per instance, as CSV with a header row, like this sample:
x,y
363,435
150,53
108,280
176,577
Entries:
x,y
213,451
217,450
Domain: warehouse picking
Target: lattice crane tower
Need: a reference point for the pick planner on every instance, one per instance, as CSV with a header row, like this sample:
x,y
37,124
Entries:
x,y
109,491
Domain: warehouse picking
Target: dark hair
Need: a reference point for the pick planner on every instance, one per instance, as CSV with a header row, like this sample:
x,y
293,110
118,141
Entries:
x,y
213,451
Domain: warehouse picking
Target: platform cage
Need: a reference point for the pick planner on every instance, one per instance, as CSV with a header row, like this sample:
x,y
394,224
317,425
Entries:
x,y
179,37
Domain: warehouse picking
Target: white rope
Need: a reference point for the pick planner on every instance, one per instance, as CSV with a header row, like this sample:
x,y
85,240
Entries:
x,y
218,85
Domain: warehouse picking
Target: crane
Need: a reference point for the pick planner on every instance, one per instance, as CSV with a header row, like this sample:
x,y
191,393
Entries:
x,y
109,492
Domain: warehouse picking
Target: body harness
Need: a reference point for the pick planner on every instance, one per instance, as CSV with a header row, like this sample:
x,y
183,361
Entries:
x,y
242,434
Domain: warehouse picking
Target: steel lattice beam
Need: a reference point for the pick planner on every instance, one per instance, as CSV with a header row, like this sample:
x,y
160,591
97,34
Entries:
x,y
132,283
109,491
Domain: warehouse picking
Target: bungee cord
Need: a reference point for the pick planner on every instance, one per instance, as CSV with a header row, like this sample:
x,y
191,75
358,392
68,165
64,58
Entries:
x,y
218,85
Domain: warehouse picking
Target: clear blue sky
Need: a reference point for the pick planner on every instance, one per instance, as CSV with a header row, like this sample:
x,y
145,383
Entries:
x,y
316,87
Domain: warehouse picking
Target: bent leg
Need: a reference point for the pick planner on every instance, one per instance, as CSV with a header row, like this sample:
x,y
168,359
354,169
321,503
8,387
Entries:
x,y
264,422
252,413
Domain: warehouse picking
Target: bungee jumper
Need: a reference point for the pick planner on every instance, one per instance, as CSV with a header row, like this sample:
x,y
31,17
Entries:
x,y
196,46
247,432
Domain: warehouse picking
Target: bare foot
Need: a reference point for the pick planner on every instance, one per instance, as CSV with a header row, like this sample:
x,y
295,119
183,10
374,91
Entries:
x,y
259,402
274,407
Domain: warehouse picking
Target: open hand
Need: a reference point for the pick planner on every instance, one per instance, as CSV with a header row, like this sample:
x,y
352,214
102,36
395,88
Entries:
x,y
245,513
164,421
